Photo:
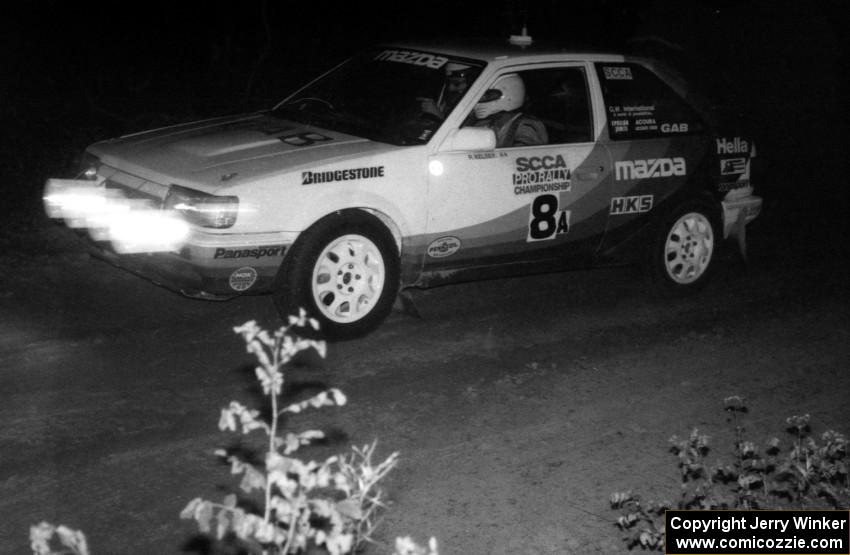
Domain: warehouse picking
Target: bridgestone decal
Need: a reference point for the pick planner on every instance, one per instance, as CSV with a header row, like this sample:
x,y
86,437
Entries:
x,y
310,178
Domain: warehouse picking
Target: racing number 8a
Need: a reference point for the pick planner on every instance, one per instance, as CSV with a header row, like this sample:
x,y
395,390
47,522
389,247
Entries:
x,y
545,220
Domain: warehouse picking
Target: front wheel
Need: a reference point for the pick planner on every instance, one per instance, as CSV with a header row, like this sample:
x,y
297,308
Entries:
x,y
683,252
344,272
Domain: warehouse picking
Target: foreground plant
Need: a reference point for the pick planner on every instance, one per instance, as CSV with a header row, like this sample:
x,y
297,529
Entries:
x,y
809,475
44,538
332,503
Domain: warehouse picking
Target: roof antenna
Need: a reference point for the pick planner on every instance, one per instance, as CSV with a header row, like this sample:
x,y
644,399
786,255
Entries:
x,y
524,39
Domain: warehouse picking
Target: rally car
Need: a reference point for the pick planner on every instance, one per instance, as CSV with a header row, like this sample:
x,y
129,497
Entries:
x,y
379,176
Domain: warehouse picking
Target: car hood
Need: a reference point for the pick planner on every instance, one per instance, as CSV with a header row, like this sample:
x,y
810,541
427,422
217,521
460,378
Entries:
x,y
223,152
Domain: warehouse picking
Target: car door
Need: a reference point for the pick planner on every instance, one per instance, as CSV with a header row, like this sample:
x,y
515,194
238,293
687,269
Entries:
x,y
519,204
657,142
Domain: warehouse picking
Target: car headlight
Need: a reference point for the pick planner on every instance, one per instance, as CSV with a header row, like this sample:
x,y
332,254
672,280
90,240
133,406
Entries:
x,y
89,164
201,208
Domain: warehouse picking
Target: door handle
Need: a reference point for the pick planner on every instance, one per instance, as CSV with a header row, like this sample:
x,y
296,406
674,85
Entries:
x,y
587,174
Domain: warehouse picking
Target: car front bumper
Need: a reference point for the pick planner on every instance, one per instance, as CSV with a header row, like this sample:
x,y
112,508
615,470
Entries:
x,y
159,245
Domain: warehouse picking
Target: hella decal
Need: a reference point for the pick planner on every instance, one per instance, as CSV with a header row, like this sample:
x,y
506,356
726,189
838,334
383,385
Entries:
x,y
733,146
541,174
647,169
415,58
443,247
310,177
243,278
631,205
258,252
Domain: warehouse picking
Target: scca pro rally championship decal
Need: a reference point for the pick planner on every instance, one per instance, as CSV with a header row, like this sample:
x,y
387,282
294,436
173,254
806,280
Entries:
x,y
258,252
310,178
541,174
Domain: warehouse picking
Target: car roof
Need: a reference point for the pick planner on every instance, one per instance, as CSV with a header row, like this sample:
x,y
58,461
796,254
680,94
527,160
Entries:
x,y
493,50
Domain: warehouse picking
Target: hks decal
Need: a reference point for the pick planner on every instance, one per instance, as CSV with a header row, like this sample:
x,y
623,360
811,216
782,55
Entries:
x,y
646,169
631,205
258,252
545,221
310,177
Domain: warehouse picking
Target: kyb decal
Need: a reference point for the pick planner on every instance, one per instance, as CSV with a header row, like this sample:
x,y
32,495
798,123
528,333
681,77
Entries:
x,y
648,169
546,221
631,205
311,178
415,58
541,174
258,252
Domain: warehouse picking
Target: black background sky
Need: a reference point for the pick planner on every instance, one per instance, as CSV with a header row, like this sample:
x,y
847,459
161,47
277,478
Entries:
x,y
75,72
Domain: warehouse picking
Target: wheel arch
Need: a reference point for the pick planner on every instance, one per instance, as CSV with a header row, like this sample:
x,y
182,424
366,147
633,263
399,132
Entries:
x,y
378,217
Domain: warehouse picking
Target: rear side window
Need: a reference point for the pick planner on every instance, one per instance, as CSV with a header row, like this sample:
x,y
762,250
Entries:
x,y
640,105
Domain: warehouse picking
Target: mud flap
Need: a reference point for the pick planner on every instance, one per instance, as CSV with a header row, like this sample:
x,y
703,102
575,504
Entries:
x,y
405,304
741,233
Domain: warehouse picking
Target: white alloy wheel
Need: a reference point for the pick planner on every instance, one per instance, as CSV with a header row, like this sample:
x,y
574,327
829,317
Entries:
x,y
348,278
688,248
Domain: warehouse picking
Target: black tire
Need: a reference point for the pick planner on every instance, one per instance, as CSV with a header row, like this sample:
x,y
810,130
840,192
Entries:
x,y
344,271
683,251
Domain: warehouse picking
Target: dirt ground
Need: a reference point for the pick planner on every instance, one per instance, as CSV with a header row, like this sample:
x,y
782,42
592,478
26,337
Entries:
x,y
518,406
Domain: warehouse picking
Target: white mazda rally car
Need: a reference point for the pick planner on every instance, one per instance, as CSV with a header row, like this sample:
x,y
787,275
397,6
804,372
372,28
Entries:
x,y
346,192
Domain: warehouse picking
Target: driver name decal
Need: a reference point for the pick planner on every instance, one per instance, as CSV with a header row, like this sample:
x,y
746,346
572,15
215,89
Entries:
x,y
415,58
541,174
311,177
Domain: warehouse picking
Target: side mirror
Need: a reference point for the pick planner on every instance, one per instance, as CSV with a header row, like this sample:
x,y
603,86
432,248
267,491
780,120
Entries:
x,y
470,138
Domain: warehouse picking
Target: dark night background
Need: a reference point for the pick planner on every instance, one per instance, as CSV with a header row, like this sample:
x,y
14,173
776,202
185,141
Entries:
x,y
73,73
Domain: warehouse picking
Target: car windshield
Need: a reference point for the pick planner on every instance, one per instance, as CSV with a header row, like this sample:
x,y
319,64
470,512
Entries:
x,y
380,94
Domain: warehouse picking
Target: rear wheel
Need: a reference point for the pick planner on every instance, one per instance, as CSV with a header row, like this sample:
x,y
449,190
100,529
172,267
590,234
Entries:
x,y
344,272
683,252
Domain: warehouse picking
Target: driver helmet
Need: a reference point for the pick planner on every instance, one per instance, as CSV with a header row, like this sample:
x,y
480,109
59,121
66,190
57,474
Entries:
x,y
512,89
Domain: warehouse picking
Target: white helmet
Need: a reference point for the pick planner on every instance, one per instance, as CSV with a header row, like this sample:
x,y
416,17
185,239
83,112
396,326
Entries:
x,y
511,96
